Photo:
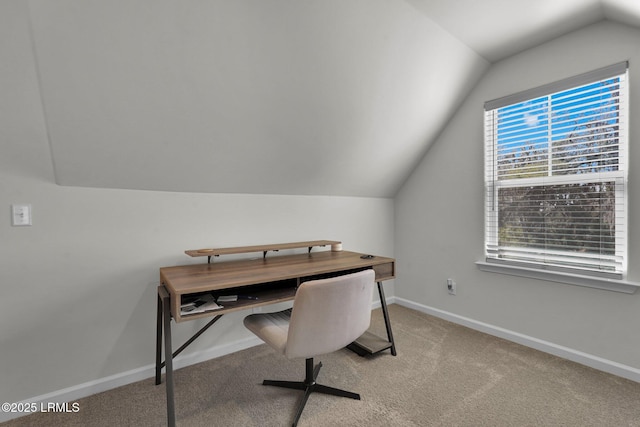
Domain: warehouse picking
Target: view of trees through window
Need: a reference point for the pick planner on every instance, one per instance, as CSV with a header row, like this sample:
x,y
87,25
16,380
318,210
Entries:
x,y
575,217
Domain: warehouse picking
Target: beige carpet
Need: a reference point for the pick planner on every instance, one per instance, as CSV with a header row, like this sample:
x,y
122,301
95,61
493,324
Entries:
x,y
443,375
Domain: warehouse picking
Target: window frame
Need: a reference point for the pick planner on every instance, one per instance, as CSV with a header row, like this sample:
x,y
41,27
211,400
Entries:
x,y
578,276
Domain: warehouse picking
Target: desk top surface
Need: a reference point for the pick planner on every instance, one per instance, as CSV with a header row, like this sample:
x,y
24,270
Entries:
x,y
229,274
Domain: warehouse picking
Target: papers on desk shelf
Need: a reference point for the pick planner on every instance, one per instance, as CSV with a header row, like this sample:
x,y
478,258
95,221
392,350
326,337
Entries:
x,y
200,305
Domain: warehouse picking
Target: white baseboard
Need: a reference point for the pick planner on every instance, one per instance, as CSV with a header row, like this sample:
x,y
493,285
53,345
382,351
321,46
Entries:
x,y
79,391
582,358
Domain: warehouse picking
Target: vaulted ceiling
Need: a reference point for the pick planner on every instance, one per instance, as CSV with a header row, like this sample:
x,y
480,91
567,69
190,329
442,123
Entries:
x,y
496,29
322,97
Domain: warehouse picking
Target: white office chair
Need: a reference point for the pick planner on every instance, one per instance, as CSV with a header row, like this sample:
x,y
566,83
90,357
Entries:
x,y
327,315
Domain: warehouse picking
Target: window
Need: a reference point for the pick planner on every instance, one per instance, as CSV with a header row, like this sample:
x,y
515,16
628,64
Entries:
x,y
555,176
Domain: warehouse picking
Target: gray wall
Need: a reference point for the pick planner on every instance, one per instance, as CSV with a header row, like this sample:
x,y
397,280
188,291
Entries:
x,y
439,215
78,288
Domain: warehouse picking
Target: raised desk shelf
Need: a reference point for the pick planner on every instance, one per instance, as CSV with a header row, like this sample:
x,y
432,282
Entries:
x,y
335,245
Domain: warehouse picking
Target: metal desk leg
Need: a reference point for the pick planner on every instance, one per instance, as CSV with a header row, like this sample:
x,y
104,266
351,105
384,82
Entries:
x,y
370,343
166,310
387,322
159,363
164,318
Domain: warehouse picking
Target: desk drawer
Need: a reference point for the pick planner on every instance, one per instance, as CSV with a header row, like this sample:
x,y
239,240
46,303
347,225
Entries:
x,y
385,271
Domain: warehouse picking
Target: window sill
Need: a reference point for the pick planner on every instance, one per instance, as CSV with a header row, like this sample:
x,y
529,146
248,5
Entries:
x,y
553,276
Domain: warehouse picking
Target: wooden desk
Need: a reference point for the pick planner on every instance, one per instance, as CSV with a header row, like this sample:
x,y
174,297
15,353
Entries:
x,y
269,279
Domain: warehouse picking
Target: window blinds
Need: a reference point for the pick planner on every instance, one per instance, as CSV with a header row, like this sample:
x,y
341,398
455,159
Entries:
x,y
555,175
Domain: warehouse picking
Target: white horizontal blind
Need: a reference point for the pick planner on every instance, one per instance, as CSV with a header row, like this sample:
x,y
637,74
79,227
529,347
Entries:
x,y
555,177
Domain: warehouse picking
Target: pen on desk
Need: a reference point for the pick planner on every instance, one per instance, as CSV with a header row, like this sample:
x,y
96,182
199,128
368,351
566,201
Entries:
x,y
247,297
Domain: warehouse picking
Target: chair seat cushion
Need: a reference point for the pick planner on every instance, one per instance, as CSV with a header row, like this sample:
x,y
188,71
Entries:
x,y
272,328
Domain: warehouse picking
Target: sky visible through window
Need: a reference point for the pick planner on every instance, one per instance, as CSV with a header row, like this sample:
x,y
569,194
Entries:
x,y
577,127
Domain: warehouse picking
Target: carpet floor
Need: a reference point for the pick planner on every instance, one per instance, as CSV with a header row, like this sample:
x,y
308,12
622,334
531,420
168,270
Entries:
x,y
443,375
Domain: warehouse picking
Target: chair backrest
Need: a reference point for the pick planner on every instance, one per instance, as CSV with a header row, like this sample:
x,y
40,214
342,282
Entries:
x,y
329,314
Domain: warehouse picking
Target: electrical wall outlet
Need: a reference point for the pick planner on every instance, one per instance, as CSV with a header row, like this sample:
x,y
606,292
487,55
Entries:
x,y
451,287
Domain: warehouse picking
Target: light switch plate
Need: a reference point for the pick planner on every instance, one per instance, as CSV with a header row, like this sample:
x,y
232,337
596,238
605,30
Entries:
x,y
20,215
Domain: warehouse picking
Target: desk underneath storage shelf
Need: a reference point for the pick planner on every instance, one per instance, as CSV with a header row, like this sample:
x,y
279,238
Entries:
x,y
263,274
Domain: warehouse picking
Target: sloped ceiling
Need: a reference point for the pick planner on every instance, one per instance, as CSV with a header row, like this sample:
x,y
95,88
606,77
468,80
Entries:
x,y
321,97
496,29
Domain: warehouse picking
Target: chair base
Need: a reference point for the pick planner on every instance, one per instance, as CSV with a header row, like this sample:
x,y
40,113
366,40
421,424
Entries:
x,y
309,386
